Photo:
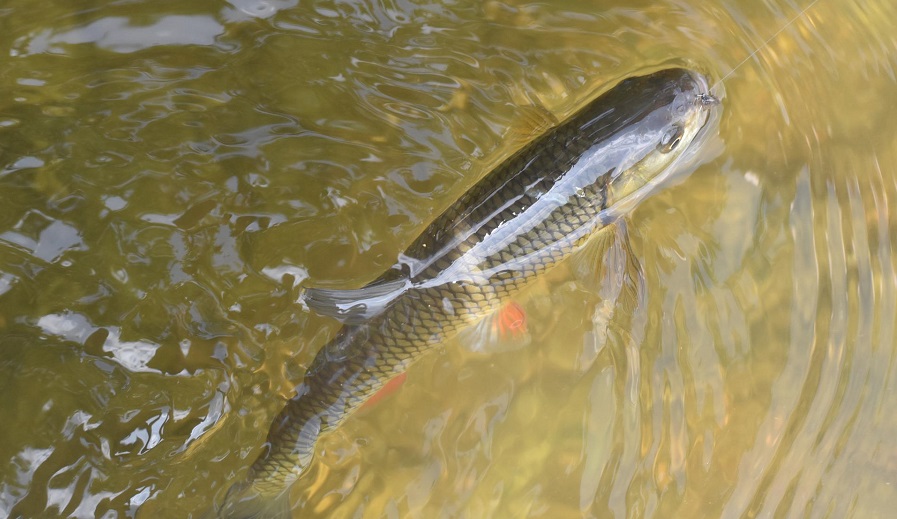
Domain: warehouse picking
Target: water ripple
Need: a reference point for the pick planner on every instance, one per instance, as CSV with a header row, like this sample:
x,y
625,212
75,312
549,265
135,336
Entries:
x,y
172,178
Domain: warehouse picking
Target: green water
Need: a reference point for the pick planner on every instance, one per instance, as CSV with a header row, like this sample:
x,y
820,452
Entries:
x,y
173,173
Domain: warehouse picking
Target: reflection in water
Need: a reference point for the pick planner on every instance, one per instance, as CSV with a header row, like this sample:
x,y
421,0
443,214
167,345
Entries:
x,y
131,355
118,35
172,179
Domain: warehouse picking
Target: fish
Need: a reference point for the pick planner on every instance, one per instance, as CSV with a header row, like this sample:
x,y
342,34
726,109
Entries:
x,y
536,209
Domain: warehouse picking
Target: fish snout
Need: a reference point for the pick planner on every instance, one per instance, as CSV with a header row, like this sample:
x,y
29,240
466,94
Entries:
x,y
707,100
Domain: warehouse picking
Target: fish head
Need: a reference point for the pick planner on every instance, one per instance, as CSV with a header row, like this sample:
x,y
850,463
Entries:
x,y
660,116
680,108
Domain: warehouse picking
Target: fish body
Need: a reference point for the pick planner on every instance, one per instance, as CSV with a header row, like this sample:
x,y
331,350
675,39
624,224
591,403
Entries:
x,y
528,214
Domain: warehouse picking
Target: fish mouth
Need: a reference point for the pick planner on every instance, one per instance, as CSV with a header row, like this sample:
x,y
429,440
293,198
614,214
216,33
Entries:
x,y
704,98
707,100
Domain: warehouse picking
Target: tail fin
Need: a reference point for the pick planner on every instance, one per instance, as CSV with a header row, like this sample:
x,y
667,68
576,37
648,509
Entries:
x,y
242,502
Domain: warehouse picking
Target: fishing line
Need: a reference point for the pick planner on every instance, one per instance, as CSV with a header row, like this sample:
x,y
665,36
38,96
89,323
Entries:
x,y
765,43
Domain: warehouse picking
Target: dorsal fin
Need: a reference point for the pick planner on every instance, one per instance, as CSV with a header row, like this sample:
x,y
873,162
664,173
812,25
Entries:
x,y
535,120
355,306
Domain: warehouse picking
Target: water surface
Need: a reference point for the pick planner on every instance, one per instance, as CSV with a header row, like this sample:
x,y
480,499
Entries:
x,y
172,175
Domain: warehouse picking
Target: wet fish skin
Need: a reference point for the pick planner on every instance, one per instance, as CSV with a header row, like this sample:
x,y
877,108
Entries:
x,y
529,213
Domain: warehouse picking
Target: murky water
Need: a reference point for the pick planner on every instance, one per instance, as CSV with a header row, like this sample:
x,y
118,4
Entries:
x,y
171,176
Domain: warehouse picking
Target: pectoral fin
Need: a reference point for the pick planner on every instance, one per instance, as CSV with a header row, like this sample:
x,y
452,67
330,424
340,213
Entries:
x,y
603,254
606,266
354,306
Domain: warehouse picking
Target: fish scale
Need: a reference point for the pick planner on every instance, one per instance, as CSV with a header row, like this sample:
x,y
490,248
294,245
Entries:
x,y
528,214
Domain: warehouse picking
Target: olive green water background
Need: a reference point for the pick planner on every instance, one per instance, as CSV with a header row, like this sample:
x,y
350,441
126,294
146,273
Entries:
x,y
172,173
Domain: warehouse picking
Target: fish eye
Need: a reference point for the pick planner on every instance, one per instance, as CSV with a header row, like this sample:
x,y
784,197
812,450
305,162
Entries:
x,y
670,139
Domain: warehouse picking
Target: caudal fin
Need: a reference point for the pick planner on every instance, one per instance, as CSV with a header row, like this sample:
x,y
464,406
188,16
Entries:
x,y
244,503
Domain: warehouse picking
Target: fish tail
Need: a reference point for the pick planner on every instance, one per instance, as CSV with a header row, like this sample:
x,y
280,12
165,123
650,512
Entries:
x,y
243,502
